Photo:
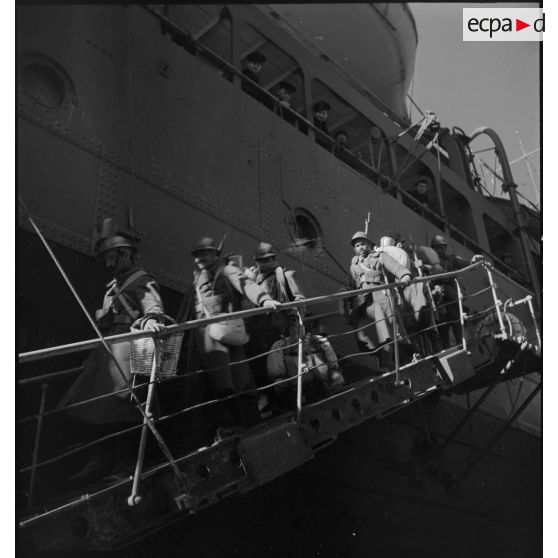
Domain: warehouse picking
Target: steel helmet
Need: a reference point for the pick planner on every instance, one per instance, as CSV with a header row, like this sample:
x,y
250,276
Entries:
x,y
360,236
264,250
115,241
438,240
205,243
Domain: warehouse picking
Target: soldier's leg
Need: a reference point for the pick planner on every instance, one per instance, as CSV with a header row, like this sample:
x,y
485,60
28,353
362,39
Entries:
x,y
381,312
243,381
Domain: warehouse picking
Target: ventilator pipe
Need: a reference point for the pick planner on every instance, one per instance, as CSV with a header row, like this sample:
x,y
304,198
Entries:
x,y
510,187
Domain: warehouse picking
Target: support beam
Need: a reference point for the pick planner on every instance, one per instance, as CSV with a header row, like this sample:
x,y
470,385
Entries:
x,y
206,28
281,76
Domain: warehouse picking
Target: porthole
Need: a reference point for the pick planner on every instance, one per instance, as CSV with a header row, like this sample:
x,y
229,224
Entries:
x,y
46,82
305,230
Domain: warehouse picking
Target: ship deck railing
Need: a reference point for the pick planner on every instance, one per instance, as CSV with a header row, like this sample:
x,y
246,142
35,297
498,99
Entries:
x,y
150,383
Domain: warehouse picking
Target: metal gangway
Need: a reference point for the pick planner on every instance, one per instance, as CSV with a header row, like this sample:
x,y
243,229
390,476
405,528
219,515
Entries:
x,y
281,443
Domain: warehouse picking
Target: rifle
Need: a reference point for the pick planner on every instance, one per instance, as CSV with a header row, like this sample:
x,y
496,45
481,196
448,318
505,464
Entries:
x,y
221,244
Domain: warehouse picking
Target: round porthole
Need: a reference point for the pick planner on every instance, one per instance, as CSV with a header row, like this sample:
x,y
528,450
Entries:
x,y
46,82
305,230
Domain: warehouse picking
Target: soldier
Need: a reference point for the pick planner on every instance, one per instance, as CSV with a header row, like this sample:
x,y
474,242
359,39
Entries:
x,y
367,270
284,93
254,65
222,287
281,285
322,374
341,141
445,290
321,114
131,297
418,313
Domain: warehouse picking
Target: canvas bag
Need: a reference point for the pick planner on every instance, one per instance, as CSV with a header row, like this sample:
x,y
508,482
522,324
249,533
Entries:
x,y
229,332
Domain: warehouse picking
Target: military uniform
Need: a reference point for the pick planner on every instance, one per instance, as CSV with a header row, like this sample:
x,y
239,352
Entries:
x,y
321,124
373,307
248,87
448,304
318,357
281,285
222,288
130,297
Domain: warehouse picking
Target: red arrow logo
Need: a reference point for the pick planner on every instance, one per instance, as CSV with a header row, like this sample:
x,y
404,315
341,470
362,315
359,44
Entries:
x,y
519,25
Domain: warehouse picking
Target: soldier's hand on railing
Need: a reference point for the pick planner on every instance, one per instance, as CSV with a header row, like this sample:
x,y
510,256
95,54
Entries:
x,y
406,279
437,292
272,304
153,325
477,258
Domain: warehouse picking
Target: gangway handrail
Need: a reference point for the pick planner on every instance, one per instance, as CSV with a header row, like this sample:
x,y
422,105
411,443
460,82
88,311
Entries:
x,y
39,354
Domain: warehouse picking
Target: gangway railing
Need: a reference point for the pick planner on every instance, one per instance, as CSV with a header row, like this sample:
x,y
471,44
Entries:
x,y
296,306
31,356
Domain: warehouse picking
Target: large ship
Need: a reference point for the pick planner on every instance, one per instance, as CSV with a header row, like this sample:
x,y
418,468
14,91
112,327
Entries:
x,y
143,115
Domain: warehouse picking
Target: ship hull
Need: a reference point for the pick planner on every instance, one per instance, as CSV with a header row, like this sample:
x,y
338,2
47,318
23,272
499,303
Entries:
x,y
133,126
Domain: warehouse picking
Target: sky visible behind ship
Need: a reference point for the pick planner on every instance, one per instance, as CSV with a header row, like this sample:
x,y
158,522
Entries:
x,y
472,84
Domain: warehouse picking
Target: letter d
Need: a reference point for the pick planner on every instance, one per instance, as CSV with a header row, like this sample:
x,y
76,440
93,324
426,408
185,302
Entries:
x,y
536,25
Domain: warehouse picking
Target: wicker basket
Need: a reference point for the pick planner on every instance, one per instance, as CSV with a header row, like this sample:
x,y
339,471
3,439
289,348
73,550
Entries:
x,y
142,350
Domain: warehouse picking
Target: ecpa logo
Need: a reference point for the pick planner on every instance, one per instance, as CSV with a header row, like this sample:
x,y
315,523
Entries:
x,y
503,24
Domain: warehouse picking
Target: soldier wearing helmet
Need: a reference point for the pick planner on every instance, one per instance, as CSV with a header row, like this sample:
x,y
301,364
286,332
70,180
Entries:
x,y
281,285
445,291
368,267
132,297
221,287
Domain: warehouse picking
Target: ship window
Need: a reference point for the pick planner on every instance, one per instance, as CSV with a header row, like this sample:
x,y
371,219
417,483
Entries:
x,y
351,136
217,36
418,187
278,69
305,230
46,82
458,212
208,24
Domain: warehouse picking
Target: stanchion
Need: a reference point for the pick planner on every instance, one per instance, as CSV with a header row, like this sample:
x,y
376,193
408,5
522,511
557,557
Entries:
x,y
300,368
461,313
38,432
134,497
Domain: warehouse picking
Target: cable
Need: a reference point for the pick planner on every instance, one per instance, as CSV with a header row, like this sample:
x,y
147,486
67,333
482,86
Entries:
x,y
156,434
